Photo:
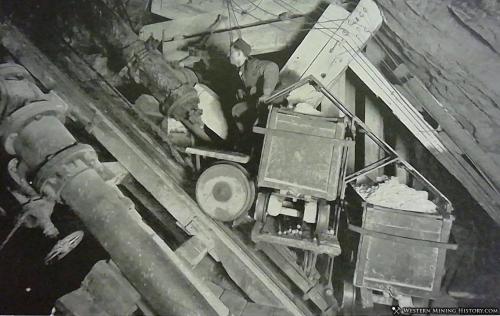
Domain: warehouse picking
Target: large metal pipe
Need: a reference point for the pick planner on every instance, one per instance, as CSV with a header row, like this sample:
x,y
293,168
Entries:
x,y
167,83
70,172
35,149
112,219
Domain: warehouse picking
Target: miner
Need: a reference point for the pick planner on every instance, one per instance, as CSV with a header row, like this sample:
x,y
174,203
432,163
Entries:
x,y
258,80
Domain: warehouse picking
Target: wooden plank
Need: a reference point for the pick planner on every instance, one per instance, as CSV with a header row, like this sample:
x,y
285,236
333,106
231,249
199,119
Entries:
x,y
264,37
200,285
193,250
284,259
403,148
219,154
78,302
140,160
278,254
179,9
202,16
235,302
119,173
110,290
329,47
350,102
267,267
160,214
375,121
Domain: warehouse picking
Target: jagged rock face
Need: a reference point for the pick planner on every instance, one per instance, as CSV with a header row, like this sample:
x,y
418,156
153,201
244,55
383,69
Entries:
x,y
454,48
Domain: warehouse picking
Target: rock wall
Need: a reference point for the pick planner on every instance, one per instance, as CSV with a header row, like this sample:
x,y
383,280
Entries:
x,y
453,47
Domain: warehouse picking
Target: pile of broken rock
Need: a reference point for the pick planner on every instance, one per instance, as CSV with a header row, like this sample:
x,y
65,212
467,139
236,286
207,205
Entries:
x,y
393,194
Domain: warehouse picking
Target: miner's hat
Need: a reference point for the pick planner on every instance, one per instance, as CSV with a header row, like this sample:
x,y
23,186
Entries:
x,y
243,46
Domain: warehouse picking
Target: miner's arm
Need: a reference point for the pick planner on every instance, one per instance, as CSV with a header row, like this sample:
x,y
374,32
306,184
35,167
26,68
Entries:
x,y
271,76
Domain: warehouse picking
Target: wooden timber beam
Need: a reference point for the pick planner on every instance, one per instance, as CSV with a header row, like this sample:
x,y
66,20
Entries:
x,y
248,10
270,35
331,45
268,26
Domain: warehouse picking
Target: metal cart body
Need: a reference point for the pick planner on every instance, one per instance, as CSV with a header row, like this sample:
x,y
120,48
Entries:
x,y
303,160
402,253
303,155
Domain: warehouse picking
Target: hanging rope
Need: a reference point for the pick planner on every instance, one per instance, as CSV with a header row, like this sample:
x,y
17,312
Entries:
x,y
230,25
242,11
256,6
235,19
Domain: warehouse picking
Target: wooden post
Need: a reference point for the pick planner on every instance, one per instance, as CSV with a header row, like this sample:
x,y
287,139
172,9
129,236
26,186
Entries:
x,y
375,121
402,148
350,102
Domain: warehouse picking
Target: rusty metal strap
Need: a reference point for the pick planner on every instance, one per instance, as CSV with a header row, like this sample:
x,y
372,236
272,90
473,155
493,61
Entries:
x,y
411,241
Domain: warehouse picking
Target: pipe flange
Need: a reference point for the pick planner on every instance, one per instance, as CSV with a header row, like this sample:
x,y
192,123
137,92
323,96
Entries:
x,y
25,115
58,170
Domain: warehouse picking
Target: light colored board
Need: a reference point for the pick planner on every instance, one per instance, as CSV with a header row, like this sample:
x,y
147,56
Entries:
x,y
117,170
402,147
264,38
200,16
350,102
329,47
375,121
338,88
261,9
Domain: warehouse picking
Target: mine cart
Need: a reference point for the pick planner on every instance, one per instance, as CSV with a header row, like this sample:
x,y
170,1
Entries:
x,y
401,254
300,180
302,177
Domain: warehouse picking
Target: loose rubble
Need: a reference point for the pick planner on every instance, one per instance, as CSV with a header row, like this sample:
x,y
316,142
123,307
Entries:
x,y
393,194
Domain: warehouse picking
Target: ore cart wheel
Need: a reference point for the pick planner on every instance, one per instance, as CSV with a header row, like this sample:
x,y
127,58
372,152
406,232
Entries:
x,y
225,191
348,298
261,206
323,219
